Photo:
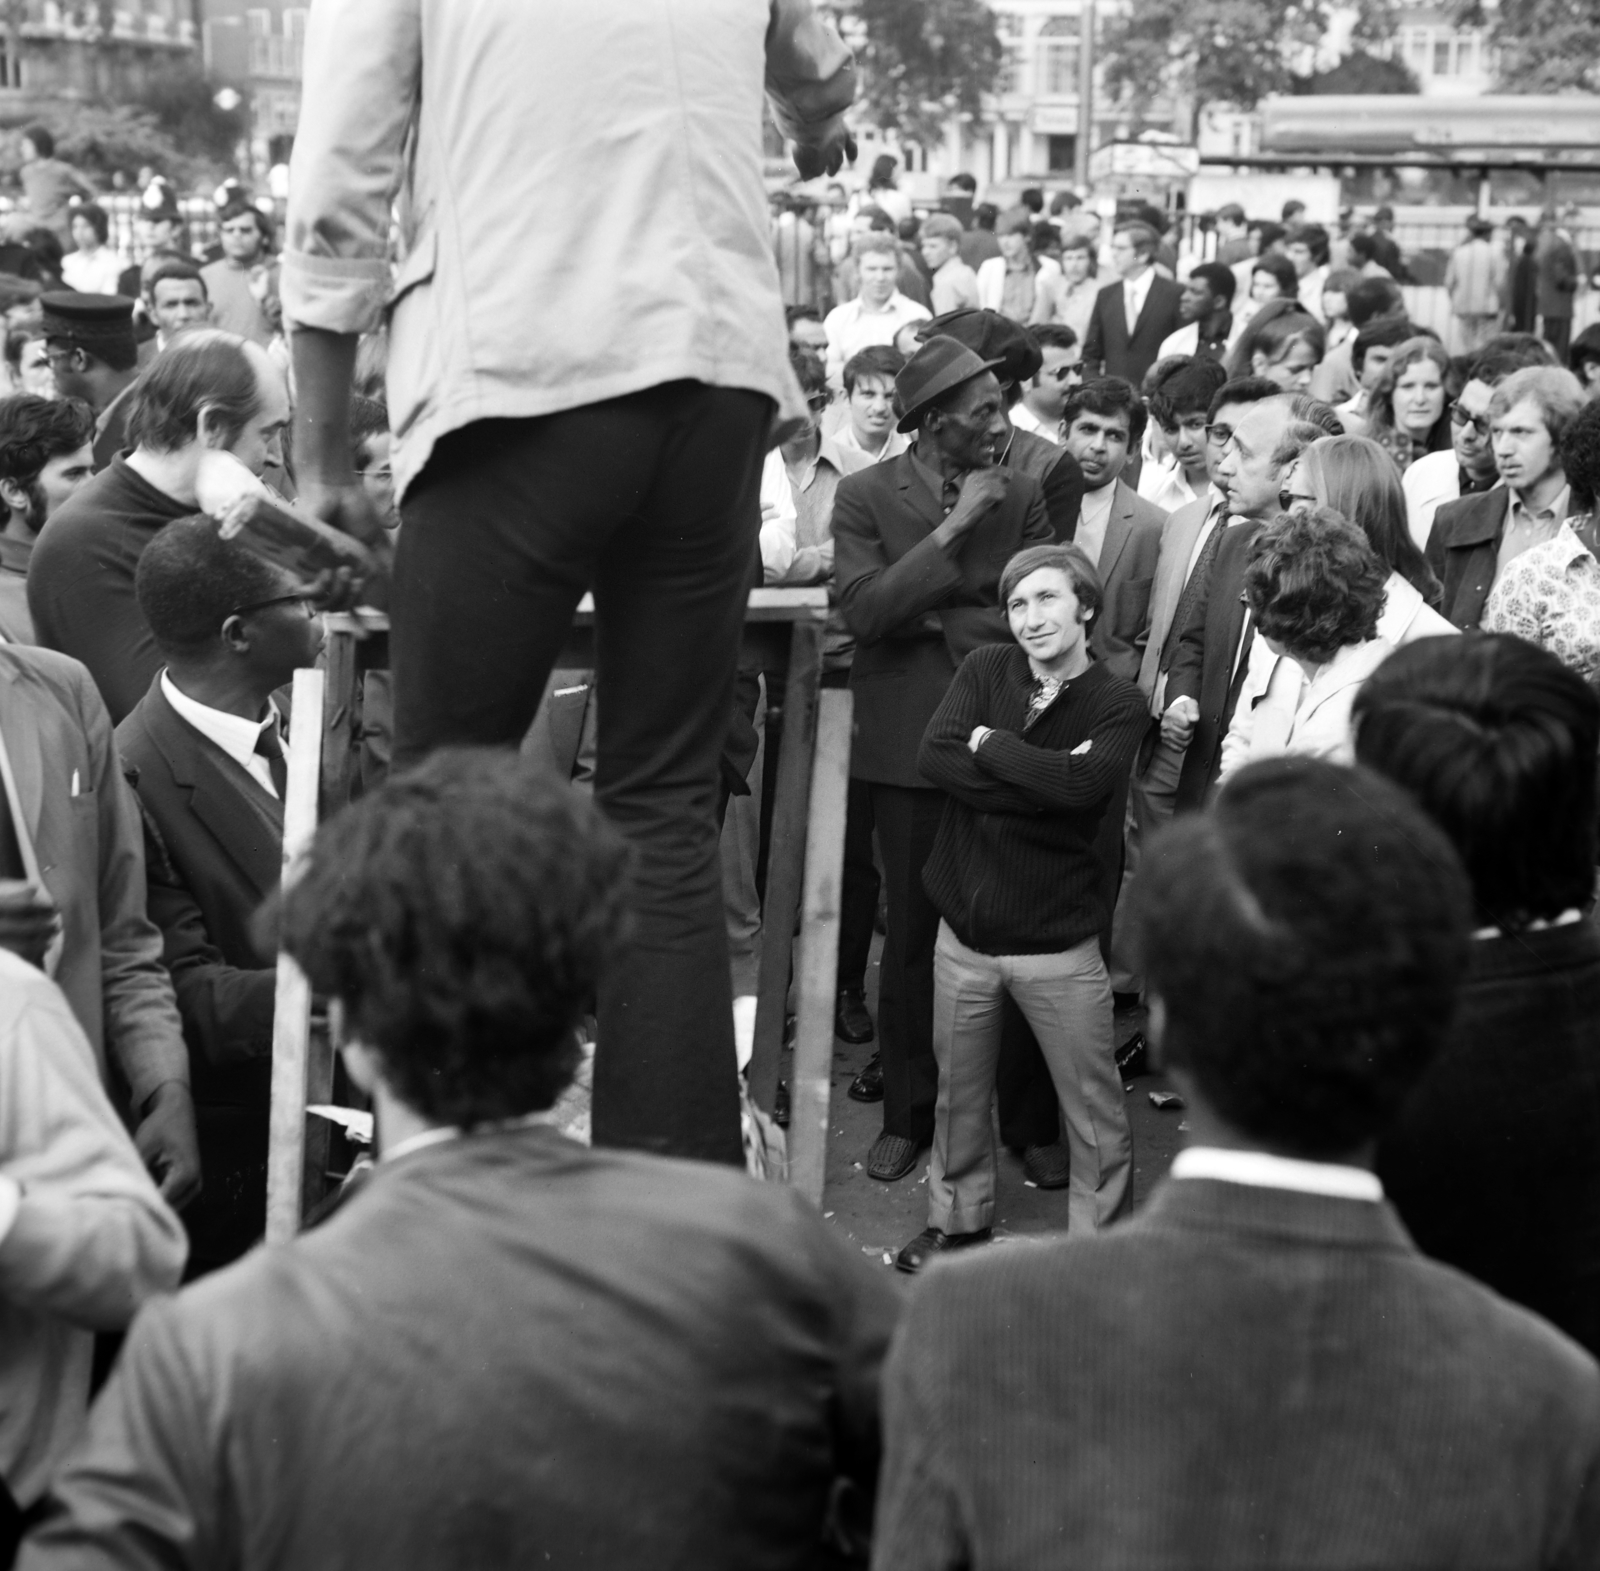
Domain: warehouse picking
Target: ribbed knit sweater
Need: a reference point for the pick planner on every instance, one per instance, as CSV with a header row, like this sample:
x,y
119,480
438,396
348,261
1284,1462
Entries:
x,y
1014,869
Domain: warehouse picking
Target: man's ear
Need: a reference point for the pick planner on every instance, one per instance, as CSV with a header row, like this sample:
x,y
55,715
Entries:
x,y
14,496
208,428
234,634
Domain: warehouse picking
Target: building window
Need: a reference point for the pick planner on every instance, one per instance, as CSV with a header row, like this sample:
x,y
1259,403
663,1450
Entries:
x,y
1441,56
1418,40
1058,57
1062,153
1466,54
1008,24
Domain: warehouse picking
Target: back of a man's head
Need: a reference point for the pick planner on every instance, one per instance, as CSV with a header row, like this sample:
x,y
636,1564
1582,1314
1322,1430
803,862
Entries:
x,y
462,915
1374,297
1498,741
1304,941
202,372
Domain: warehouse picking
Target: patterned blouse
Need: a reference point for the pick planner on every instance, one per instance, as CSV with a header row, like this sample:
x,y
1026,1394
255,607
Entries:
x,y
1550,595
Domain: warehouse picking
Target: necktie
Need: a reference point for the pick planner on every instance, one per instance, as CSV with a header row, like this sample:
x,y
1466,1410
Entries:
x,y
270,746
1130,308
1192,590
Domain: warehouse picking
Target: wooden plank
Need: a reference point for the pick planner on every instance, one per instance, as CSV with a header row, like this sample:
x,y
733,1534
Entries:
x,y
341,715
817,968
291,1021
786,860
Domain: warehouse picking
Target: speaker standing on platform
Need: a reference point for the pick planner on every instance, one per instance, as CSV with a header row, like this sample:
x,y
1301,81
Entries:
x,y
587,348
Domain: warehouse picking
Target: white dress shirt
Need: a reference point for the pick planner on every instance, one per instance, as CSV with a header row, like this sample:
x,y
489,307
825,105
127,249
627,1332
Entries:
x,y
1135,291
1165,485
1263,1170
233,734
1093,518
855,326
1186,341
778,534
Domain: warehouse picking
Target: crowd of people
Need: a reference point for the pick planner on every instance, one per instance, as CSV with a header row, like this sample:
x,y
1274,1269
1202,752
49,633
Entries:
x,y
1220,647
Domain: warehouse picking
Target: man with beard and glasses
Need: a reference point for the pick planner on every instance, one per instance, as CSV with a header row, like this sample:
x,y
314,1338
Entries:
x,y
45,456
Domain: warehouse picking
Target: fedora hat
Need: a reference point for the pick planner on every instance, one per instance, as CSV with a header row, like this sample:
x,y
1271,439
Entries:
x,y
938,366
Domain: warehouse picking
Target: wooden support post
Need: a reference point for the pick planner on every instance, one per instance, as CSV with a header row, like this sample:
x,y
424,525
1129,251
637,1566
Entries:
x,y
818,964
341,717
291,1022
785,861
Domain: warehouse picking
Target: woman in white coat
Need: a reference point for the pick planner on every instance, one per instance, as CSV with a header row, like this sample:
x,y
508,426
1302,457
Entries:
x,y
1316,589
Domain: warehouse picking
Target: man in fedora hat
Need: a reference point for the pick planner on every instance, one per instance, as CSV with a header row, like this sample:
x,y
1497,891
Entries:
x,y
919,545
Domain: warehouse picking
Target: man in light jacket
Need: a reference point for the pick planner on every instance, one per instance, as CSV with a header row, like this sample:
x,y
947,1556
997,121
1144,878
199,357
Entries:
x,y
562,427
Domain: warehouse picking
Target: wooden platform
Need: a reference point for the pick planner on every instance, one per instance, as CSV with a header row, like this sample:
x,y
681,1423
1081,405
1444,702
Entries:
x,y
784,633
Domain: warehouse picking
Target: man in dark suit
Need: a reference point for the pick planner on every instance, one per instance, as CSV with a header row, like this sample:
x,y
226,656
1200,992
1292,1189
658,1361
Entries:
x,y
1474,538
506,1348
1494,1161
1133,316
205,752
1214,643
1295,1385
919,545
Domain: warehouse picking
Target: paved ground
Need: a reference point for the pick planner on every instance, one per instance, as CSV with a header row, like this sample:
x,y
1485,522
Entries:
x,y
879,1217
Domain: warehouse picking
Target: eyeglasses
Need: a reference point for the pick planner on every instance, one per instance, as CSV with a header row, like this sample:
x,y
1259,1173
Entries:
x,y
1289,500
304,601
1479,423
1220,435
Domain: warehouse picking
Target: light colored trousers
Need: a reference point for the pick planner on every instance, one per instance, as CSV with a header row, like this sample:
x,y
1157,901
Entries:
x,y
1067,1000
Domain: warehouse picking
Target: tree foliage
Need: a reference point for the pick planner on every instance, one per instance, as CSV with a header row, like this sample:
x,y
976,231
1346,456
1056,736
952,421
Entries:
x,y
1213,52
1360,72
925,60
1542,46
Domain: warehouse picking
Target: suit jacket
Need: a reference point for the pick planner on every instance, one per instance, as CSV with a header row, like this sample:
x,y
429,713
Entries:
x,y
1108,344
214,839
1178,536
1209,665
1494,1161
1462,547
917,611
506,1349
1295,1386
84,823
1128,558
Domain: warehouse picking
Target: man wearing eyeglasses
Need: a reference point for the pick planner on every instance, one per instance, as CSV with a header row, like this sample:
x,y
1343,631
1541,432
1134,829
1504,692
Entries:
x,y
1468,468
1044,399
93,356
205,748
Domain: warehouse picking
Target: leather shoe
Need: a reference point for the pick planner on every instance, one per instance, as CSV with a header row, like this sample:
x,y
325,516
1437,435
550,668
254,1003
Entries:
x,y
851,1022
868,1085
891,1157
1050,1167
1133,1057
930,1242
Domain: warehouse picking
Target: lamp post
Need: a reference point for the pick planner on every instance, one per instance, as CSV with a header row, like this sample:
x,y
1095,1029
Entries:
x,y
1085,139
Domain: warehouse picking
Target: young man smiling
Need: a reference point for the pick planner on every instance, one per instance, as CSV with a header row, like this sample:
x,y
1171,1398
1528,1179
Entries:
x,y
1030,745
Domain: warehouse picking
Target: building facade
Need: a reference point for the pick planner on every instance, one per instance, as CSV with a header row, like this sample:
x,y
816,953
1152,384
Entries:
x,y
52,53
258,49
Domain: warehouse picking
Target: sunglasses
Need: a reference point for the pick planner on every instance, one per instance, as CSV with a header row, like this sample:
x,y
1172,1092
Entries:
x,y
1062,373
1289,500
302,600
1479,423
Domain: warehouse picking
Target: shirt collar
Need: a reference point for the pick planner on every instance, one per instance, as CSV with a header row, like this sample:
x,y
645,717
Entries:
x,y
233,734
1262,1170
447,1132
1097,504
931,478
1556,510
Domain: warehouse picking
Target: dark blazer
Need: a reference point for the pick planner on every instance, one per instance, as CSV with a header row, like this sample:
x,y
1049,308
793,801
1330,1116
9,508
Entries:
x,y
214,841
505,1350
1494,1162
1462,548
1107,345
917,611
1295,1386
1209,665
1127,572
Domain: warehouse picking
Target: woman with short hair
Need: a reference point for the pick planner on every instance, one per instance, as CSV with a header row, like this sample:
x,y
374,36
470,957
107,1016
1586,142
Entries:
x,y
1315,588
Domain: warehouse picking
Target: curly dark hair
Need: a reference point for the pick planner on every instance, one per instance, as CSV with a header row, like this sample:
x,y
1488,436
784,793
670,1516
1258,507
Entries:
x,y
1580,457
35,430
1306,938
462,914
1497,740
190,580
1107,396
1314,583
